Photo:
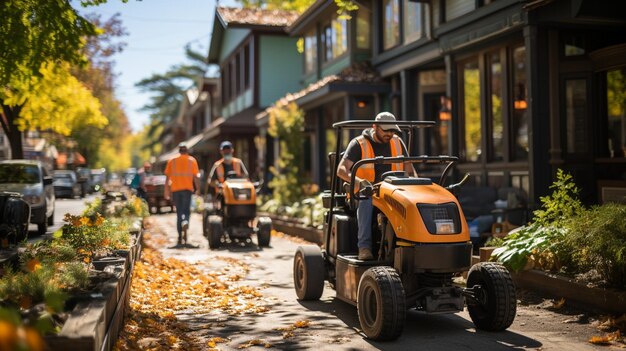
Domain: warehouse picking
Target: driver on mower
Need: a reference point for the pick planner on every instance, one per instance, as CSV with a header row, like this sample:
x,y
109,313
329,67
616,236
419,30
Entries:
x,y
228,163
380,140
232,203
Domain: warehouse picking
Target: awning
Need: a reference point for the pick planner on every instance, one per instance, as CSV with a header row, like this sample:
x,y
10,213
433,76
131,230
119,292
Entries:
x,y
191,142
241,123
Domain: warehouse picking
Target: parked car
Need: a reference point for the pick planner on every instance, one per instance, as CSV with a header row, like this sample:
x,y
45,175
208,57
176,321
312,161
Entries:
x,y
32,180
66,184
98,178
84,179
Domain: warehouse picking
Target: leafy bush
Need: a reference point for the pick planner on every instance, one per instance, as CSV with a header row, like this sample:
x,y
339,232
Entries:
x,y
597,240
309,211
286,123
539,240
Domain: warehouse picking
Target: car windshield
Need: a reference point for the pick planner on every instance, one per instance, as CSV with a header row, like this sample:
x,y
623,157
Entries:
x,y
63,176
19,173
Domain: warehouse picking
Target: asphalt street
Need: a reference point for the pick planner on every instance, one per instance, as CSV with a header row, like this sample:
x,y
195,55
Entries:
x,y
334,324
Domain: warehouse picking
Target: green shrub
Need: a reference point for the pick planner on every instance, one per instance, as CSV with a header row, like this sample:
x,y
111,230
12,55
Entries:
x,y
597,240
540,239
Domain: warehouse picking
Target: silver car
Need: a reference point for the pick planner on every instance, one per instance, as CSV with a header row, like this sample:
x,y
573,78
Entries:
x,y
32,180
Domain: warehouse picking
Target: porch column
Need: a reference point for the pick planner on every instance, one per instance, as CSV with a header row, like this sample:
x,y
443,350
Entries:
x,y
537,71
319,171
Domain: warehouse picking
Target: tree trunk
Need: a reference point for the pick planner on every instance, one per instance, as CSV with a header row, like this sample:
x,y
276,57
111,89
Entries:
x,y
7,119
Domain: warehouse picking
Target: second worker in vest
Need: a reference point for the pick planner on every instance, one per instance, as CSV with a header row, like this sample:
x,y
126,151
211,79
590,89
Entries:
x,y
222,167
380,140
183,178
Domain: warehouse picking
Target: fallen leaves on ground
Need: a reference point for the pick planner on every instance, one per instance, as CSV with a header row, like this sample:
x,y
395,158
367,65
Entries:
x,y
288,331
291,238
558,304
606,339
163,287
255,342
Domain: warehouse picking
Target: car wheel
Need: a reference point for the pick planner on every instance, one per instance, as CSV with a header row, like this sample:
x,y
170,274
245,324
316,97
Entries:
x,y
381,303
51,219
42,228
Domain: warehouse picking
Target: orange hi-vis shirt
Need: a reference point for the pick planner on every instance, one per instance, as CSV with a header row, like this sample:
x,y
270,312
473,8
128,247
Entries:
x,y
181,171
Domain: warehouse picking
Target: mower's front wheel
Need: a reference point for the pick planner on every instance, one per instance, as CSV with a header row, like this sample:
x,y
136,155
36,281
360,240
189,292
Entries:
x,y
381,303
496,303
264,231
215,231
308,272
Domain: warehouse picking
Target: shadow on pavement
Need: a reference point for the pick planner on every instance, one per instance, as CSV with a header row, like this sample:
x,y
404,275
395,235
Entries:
x,y
429,331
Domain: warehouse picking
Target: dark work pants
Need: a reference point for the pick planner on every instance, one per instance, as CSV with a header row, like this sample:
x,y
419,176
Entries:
x,y
182,201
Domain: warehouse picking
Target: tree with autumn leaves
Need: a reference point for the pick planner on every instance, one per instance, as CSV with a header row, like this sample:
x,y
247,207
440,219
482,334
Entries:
x,y
43,49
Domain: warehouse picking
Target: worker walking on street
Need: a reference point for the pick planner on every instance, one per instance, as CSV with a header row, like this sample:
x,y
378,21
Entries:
x,y
183,178
380,140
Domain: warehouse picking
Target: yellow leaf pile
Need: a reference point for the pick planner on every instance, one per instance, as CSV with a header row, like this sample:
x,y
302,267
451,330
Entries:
x,y
288,331
162,288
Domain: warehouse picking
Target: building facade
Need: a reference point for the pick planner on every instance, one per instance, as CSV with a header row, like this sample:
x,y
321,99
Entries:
x,y
518,88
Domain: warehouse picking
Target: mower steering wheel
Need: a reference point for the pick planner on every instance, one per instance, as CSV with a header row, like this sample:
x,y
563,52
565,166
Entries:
x,y
392,174
231,175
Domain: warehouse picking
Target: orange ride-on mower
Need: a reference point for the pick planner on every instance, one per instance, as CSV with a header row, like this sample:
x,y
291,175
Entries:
x,y
421,242
233,212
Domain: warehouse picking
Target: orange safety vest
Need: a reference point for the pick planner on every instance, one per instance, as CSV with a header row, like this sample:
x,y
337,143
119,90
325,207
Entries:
x,y
367,171
220,168
181,171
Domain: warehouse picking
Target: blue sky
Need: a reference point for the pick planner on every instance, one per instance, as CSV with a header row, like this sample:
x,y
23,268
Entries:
x,y
158,32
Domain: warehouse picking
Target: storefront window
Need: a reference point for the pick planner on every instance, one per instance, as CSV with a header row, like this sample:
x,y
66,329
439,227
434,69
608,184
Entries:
x,y
616,110
576,116
363,23
310,51
519,122
495,91
391,25
413,21
471,111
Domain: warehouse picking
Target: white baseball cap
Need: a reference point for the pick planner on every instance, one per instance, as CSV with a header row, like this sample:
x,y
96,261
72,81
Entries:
x,y
387,117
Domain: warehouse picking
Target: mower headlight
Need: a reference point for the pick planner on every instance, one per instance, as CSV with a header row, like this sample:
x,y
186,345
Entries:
x,y
441,218
242,194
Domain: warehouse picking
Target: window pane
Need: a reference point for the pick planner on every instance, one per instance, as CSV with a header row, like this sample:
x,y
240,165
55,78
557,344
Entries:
x,y
495,90
340,36
616,108
246,70
327,38
519,123
391,25
576,115
471,108
310,51
412,21
363,23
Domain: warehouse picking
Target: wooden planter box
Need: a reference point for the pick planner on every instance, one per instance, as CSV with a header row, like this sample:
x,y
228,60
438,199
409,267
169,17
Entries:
x,y
577,294
94,325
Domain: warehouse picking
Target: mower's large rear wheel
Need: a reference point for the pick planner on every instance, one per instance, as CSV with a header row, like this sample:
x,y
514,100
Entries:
x,y
308,272
215,231
264,232
497,302
381,303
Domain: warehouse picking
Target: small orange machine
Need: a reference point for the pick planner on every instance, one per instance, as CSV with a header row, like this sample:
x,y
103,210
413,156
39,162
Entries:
x,y
233,213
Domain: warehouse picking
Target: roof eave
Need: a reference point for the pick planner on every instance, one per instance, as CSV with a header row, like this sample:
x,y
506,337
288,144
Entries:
x,y
310,15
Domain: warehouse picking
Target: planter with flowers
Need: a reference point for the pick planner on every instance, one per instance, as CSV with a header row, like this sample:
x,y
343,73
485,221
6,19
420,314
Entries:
x,y
70,292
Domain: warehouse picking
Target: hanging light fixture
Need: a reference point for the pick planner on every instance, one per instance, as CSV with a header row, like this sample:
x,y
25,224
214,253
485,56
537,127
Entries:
x,y
445,113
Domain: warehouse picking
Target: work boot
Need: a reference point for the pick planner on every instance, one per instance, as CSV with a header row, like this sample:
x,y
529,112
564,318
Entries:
x,y
365,254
